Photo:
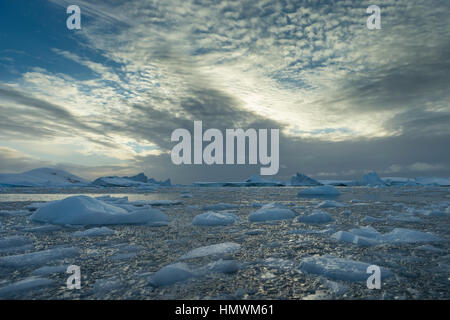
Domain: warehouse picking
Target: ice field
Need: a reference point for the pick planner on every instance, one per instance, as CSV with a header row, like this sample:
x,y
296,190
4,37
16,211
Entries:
x,y
225,242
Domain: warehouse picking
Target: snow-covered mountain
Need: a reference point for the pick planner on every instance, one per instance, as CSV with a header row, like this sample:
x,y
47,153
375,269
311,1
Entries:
x,y
42,177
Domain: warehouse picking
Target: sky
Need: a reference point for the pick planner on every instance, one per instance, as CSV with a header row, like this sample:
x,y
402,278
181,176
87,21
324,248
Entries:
x,y
104,100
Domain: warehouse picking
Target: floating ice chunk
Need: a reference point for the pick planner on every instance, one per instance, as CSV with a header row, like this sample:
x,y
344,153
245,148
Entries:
x,y
158,203
352,238
171,274
256,205
211,218
215,249
303,180
107,285
47,270
401,235
84,210
335,268
331,204
434,213
318,216
430,248
38,258
14,243
403,218
93,232
219,206
26,285
370,219
367,232
320,191
14,212
271,211
278,263
372,179
185,195
347,212
223,266
42,229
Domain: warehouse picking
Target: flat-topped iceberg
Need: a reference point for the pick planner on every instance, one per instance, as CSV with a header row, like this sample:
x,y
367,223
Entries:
x,y
335,268
84,210
271,211
322,191
368,236
93,232
318,216
211,218
215,249
38,258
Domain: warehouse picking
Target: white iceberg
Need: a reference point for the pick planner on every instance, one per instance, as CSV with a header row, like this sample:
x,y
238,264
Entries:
x,y
320,191
271,211
331,204
25,286
318,216
335,268
303,180
212,250
171,274
211,218
93,232
39,257
84,210
42,177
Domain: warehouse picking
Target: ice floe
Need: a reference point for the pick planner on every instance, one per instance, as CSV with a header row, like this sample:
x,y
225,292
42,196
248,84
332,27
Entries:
x,y
171,274
320,191
331,204
39,257
335,268
25,286
15,244
47,270
318,216
211,218
93,232
271,211
212,250
84,210
219,206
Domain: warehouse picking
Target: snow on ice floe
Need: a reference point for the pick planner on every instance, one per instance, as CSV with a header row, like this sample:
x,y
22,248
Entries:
x,y
170,274
219,206
15,244
212,250
303,180
338,269
331,204
25,286
320,191
84,210
211,218
270,212
368,236
39,257
318,216
93,232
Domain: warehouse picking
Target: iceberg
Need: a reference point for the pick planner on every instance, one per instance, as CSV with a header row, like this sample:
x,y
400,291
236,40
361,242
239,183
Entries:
x,y
42,177
211,218
171,274
94,232
84,210
271,211
331,204
24,286
318,216
322,191
212,250
372,179
336,269
303,180
38,258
